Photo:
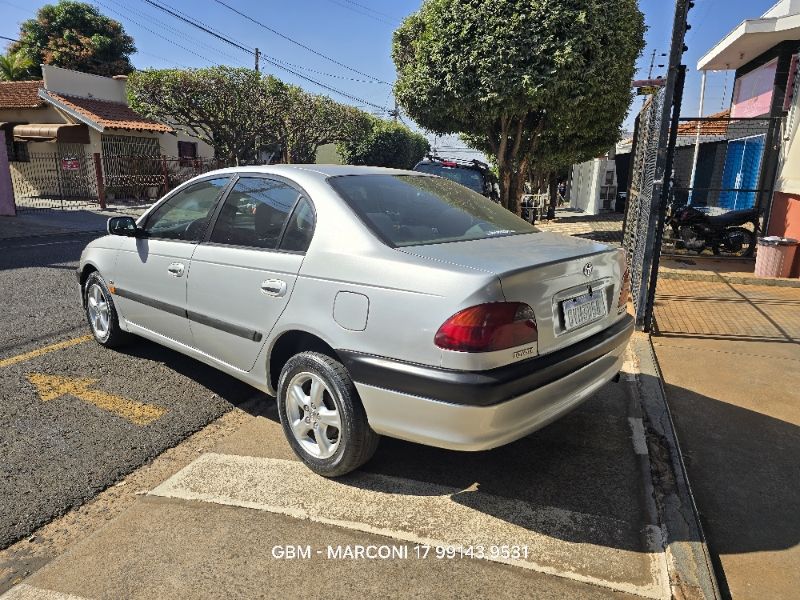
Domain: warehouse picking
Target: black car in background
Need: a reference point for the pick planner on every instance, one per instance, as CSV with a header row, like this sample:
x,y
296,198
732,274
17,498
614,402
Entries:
x,y
473,174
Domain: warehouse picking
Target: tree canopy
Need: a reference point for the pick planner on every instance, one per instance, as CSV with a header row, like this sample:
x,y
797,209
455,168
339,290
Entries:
x,y
386,144
239,112
307,121
530,82
226,107
75,36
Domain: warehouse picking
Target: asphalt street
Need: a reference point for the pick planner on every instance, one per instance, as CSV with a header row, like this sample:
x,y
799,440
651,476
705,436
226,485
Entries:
x,y
68,418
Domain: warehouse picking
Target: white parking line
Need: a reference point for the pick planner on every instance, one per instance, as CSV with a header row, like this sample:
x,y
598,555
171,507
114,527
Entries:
x,y
23,591
581,547
639,439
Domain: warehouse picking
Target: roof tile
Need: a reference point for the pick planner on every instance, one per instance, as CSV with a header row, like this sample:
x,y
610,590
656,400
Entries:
x,y
113,115
20,94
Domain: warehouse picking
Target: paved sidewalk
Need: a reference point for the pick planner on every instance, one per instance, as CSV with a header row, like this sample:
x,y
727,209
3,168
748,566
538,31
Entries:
x,y
606,227
54,222
730,359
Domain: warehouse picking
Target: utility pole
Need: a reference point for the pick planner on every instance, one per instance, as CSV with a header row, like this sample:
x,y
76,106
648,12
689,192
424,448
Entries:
x,y
395,112
258,55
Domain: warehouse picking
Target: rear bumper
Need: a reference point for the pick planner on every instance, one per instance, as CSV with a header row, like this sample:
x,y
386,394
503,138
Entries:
x,y
463,410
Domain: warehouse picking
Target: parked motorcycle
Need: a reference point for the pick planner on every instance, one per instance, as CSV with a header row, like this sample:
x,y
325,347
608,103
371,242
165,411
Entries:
x,y
695,230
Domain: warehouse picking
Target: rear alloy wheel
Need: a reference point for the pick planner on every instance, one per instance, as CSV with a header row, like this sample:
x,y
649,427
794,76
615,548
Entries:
x,y
322,415
101,313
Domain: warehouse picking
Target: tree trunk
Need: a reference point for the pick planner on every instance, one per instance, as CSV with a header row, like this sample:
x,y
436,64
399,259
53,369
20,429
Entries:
x,y
553,189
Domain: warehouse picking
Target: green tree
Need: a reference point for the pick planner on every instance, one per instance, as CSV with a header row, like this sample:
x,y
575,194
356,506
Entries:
x,y
307,121
75,36
232,109
15,66
514,76
386,144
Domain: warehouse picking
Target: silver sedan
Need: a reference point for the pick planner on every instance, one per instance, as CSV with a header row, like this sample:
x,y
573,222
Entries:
x,y
369,301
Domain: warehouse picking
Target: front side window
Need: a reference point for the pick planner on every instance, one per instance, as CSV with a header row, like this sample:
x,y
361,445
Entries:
x,y
186,214
411,210
255,213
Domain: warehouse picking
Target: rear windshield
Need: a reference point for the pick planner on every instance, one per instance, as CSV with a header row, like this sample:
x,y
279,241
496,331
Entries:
x,y
410,210
470,178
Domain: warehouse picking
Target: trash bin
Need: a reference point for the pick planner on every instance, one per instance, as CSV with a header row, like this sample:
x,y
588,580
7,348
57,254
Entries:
x,y
775,256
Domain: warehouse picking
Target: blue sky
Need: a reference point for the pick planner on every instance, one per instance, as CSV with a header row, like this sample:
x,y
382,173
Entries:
x,y
358,33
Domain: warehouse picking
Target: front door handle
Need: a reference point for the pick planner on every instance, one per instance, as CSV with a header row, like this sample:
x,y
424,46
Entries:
x,y
273,287
176,269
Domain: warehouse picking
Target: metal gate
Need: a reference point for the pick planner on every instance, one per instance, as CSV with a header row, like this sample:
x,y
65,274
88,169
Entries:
x,y
641,202
63,179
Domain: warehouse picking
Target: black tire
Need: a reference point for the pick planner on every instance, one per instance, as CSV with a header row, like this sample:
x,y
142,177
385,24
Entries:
x,y
356,442
738,241
113,336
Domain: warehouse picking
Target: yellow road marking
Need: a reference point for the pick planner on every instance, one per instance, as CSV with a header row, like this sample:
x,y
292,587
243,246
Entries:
x,y
7,362
51,387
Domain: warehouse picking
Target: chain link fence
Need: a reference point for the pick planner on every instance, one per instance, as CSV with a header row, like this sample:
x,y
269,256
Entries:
x,y
641,202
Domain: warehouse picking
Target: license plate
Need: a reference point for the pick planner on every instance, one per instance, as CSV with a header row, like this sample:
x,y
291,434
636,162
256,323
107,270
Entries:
x,y
583,309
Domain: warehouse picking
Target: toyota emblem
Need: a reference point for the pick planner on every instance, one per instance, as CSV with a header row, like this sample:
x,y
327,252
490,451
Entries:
x,y
587,269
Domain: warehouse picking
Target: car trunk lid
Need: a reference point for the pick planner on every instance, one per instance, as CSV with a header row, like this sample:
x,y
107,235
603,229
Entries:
x,y
549,272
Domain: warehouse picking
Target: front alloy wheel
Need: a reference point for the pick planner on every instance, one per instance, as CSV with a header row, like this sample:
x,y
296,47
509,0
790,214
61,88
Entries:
x,y
101,312
97,307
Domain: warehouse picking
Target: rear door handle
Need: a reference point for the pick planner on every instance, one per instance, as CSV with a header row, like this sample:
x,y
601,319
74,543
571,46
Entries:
x,y
273,287
176,269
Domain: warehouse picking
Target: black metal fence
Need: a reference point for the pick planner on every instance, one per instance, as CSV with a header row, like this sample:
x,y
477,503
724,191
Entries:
x,y
137,179
74,178
641,201
54,180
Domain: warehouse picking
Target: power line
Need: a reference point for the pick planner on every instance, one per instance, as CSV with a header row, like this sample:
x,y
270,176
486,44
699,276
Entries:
x,y
163,25
157,34
302,68
250,51
293,41
201,27
2,37
363,13
369,8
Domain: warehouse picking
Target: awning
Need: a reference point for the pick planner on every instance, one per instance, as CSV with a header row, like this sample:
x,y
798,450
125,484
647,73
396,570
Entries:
x,y
52,132
749,41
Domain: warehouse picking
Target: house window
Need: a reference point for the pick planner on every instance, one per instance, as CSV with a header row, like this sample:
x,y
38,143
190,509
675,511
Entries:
x,y
187,151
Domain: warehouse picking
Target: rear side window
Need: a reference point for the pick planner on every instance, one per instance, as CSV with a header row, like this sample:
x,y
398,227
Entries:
x,y
300,228
409,210
255,212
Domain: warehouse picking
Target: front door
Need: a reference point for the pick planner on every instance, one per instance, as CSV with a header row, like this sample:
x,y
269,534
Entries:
x,y
242,278
151,272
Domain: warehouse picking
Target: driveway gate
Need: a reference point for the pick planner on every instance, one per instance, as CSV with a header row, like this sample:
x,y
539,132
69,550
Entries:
x,y
62,179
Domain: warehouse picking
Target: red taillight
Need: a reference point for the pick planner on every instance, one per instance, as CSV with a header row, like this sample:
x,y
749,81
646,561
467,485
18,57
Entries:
x,y
488,327
624,290
449,163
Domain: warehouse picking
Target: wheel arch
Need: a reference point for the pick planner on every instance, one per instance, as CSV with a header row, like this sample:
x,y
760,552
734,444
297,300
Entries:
x,y
87,270
289,343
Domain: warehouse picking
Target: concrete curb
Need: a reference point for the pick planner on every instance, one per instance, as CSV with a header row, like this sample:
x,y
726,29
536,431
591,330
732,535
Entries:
x,y
689,566
715,277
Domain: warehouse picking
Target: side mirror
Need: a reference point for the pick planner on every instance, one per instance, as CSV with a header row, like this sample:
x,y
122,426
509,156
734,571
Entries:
x,y
125,226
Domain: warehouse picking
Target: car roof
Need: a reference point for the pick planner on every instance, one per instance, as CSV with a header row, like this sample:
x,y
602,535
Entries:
x,y
319,170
